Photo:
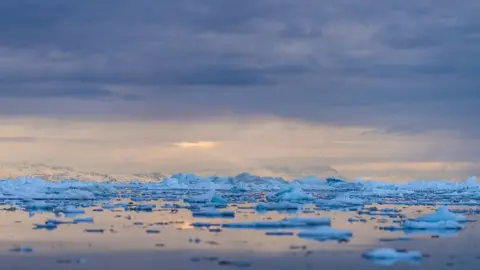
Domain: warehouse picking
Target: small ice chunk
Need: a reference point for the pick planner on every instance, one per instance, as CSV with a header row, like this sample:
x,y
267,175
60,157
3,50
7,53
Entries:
x,y
317,221
47,226
143,207
39,205
388,256
439,225
293,194
278,206
57,222
325,233
280,233
201,224
83,220
213,213
70,209
285,223
94,230
210,197
22,249
442,214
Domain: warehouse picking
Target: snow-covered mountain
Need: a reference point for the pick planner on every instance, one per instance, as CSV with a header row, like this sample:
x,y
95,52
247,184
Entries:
x,y
304,172
289,173
57,173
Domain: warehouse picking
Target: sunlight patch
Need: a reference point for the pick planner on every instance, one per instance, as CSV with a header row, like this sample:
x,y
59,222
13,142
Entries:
x,y
200,144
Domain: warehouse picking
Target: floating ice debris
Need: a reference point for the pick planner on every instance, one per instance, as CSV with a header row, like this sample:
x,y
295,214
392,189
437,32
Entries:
x,y
388,256
143,207
278,206
439,225
69,209
115,206
280,233
201,224
47,226
285,223
316,221
353,220
83,220
341,202
237,264
94,230
152,231
57,222
392,228
22,249
69,261
395,239
213,213
293,194
39,205
210,197
195,240
442,214
325,233
432,232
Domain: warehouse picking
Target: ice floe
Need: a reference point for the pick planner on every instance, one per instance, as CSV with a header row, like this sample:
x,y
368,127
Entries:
x,y
325,233
388,256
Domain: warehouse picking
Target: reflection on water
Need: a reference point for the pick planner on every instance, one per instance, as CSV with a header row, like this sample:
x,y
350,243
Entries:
x,y
121,234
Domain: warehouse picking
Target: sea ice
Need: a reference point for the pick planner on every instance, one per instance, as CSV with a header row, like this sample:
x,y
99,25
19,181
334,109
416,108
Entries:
x,y
388,256
439,225
325,233
213,213
442,214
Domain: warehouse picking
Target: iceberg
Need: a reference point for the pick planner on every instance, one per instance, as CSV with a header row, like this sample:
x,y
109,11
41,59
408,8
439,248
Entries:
x,y
442,214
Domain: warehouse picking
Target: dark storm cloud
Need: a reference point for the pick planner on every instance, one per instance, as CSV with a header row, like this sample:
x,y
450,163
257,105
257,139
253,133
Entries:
x,y
400,66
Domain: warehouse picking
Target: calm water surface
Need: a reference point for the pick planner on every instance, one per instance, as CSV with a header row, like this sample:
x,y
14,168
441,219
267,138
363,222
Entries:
x,y
125,243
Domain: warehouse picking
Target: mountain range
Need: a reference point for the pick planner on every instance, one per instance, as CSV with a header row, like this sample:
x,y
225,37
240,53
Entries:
x,y
57,173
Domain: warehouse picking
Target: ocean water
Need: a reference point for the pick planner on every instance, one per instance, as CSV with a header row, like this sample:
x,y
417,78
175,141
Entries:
x,y
76,225
166,239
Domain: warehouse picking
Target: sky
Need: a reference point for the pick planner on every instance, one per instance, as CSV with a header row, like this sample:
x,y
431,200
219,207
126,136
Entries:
x,y
372,89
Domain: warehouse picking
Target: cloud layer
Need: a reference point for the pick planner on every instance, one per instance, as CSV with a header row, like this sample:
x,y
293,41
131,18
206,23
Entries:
x,y
397,66
229,146
394,67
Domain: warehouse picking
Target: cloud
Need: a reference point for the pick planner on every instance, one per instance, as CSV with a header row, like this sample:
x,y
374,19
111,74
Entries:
x,y
16,139
396,66
195,144
228,146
